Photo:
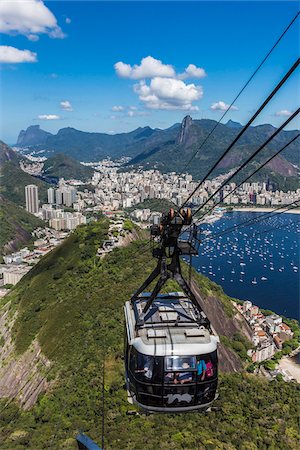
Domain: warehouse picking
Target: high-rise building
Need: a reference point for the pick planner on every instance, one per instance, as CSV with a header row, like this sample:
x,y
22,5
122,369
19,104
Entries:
x,y
59,197
32,198
51,196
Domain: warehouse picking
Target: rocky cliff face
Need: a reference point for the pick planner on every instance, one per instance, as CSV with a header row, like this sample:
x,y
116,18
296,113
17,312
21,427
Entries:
x,y
184,130
223,325
22,377
32,136
7,154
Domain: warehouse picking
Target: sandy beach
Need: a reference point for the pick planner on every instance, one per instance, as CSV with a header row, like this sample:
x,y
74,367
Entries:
x,y
290,366
264,210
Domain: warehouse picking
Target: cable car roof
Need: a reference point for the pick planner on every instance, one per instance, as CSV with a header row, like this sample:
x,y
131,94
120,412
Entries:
x,y
170,327
174,308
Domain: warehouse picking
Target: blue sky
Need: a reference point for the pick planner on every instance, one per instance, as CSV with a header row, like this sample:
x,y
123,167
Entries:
x,y
73,47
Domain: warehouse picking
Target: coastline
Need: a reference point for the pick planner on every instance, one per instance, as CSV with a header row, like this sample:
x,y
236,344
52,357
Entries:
x,y
290,367
264,210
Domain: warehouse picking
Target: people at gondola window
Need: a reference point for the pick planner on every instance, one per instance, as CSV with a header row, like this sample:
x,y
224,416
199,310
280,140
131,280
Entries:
x,y
201,368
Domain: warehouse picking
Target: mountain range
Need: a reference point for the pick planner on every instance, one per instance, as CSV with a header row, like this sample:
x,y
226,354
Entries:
x,y
170,149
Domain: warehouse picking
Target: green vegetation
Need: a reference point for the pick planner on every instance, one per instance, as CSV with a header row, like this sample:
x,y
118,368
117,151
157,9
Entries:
x,y
155,204
16,224
63,166
239,344
72,301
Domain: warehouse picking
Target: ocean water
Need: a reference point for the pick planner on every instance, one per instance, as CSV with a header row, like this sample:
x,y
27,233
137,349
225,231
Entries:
x,y
258,262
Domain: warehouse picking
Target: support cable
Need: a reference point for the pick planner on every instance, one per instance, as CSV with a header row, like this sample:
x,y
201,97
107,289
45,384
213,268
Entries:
x,y
260,109
255,220
246,162
239,94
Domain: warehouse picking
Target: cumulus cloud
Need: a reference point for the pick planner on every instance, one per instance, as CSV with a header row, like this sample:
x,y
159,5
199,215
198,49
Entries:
x,y
30,18
48,117
160,87
148,68
68,20
14,55
66,105
117,108
168,94
284,113
222,106
192,71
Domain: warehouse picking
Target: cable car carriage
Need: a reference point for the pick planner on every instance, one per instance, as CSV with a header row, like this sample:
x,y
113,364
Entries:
x,y
170,349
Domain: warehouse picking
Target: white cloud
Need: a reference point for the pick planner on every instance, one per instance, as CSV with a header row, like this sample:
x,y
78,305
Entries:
x,y
148,68
131,113
68,20
33,37
14,55
113,117
117,108
168,94
222,106
48,117
191,71
283,112
53,75
28,17
66,105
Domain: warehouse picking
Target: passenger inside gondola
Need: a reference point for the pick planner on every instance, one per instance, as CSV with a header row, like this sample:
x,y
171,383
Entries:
x,y
209,371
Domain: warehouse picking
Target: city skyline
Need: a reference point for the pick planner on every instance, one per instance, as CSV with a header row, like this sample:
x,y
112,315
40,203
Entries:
x,y
103,67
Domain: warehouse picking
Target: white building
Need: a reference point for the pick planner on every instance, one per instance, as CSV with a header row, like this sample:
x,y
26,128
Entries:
x,y
13,274
32,198
51,196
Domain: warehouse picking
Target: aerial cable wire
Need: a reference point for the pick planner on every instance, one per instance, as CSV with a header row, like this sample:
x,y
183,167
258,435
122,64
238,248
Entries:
x,y
239,94
237,228
239,135
246,162
255,220
263,165
263,231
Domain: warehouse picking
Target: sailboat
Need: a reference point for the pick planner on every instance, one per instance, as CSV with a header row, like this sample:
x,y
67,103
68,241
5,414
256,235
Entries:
x,y
254,281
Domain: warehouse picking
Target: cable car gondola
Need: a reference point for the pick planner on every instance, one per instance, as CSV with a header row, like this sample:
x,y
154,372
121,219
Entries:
x,y
170,349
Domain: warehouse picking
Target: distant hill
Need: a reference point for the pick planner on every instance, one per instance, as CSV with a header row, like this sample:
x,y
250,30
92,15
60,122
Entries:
x,y
14,180
232,124
32,136
66,316
172,156
16,225
170,149
85,146
63,166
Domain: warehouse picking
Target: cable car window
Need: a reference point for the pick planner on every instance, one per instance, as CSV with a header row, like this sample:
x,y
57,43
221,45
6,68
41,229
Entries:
x,y
180,363
207,366
179,377
146,368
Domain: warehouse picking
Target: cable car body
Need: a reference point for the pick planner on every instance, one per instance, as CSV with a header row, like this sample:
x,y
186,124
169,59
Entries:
x,y
171,361
170,349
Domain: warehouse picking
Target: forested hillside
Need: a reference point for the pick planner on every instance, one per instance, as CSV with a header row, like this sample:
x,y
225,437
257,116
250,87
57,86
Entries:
x,y
16,225
71,304
14,180
63,166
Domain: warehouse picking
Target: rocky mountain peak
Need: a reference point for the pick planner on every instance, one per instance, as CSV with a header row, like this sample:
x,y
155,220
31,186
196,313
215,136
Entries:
x,y
32,136
233,124
184,129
